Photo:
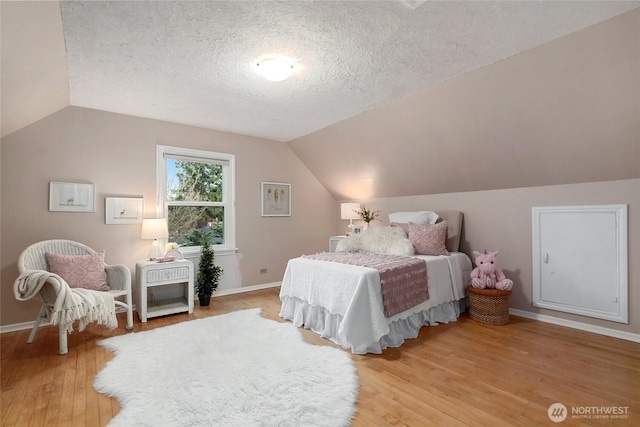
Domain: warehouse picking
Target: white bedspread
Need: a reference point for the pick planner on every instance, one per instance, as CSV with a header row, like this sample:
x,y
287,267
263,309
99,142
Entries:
x,y
344,303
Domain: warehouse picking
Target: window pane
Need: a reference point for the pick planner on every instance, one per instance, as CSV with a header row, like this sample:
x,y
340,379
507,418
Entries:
x,y
193,181
188,225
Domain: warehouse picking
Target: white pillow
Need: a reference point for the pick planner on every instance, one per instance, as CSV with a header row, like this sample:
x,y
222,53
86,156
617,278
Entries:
x,y
383,240
418,217
350,244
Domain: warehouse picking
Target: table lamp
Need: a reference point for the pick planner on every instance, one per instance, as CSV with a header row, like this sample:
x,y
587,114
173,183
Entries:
x,y
154,228
348,211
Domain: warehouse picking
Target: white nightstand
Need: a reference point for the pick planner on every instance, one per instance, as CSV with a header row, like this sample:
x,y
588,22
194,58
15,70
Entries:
x,y
333,242
150,274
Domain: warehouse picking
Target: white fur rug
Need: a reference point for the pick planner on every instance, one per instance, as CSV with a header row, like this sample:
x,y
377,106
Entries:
x,y
237,369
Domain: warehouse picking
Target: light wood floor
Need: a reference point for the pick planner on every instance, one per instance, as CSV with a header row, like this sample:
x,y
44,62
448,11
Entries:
x,y
460,374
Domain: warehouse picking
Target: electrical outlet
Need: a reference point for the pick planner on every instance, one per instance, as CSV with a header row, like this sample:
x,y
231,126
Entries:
x,y
263,271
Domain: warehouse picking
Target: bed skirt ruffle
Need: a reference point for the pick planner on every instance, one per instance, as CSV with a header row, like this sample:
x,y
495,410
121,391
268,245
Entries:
x,y
327,325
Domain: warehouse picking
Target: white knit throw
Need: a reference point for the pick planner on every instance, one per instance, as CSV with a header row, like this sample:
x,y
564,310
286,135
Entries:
x,y
71,304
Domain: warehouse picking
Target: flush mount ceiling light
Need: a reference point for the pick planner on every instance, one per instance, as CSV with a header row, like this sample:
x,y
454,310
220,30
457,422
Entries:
x,y
275,69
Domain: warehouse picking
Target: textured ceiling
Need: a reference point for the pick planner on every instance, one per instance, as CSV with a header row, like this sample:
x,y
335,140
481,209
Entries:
x,y
194,62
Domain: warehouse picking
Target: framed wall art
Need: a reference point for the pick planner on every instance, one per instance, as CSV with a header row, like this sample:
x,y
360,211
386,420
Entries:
x,y
72,197
124,210
275,198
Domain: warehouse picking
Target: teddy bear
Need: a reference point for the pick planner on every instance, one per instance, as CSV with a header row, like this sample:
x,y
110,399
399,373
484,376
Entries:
x,y
487,274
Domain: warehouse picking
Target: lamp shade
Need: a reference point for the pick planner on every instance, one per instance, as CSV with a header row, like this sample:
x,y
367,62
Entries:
x,y
154,228
348,210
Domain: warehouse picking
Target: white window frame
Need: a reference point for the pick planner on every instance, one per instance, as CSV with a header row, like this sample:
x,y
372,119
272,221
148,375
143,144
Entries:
x,y
228,190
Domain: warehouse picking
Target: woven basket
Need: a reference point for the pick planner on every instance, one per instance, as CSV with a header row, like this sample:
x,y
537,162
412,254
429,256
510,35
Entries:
x,y
490,306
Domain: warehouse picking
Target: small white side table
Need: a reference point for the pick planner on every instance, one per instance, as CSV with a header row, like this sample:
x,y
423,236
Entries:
x,y
333,242
152,273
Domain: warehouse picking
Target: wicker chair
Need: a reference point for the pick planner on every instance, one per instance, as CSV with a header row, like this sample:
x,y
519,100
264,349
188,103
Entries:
x,y
33,258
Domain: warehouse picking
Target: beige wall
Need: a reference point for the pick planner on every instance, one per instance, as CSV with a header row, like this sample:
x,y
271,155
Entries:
x,y
565,112
501,220
117,154
35,81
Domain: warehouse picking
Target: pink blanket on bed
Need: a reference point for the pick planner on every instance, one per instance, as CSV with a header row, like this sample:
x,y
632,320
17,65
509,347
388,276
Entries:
x,y
403,280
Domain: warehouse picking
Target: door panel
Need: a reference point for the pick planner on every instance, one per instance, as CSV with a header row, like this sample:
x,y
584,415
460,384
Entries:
x,y
580,260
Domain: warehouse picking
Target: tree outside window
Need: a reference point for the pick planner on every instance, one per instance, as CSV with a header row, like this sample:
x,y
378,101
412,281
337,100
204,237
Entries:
x,y
194,198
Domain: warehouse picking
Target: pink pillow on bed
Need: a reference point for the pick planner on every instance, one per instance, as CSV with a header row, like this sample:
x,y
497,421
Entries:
x,y
429,239
80,271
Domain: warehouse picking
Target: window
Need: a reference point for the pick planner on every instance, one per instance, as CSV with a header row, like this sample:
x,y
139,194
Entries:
x,y
196,195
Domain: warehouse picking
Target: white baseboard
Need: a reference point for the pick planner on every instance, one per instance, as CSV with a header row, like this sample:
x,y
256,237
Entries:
x,y
20,326
576,325
28,325
246,289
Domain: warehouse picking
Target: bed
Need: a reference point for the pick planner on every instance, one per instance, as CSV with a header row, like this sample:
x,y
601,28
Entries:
x,y
344,303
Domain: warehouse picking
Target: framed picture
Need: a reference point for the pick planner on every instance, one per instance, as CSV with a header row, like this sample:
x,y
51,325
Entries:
x,y
123,210
357,229
275,199
71,197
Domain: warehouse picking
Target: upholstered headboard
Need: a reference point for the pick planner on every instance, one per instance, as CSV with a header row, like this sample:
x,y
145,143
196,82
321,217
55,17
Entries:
x,y
454,228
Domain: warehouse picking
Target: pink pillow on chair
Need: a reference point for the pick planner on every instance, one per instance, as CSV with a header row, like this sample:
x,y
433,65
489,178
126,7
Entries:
x,y
80,271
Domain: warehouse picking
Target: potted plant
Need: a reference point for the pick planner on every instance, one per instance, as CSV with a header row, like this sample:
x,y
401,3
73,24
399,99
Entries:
x,y
208,273
367,214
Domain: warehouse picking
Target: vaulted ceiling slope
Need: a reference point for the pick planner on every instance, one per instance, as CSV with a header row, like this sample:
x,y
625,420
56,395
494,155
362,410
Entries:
x,y
34,79
193,62
564,112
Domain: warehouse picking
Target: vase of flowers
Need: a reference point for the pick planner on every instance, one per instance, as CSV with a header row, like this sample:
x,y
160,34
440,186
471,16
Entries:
x,y
367,214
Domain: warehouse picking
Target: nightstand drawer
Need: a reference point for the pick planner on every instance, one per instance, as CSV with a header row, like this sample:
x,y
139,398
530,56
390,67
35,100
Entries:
x,y
173,274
